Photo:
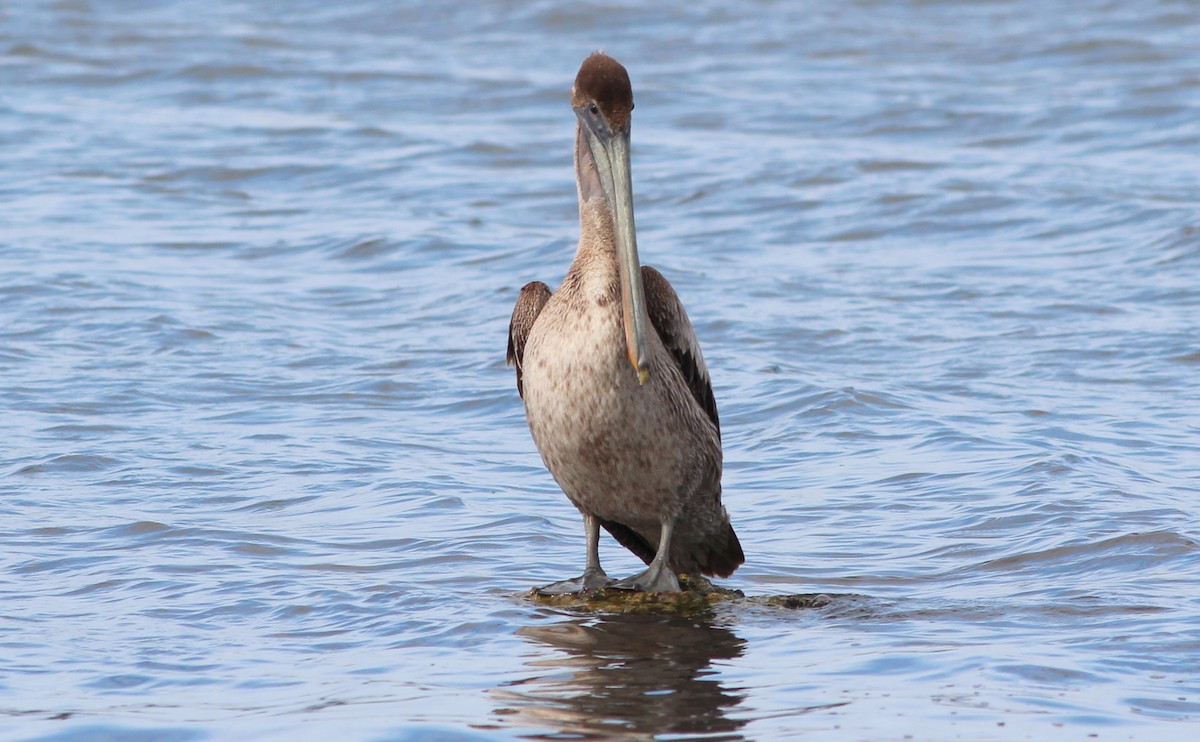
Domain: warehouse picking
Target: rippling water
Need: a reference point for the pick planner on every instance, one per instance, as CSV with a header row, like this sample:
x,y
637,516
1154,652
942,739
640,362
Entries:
x,y
266,476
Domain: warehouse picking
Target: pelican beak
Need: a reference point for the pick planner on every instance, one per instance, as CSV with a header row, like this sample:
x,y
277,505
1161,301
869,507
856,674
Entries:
x,y
610,151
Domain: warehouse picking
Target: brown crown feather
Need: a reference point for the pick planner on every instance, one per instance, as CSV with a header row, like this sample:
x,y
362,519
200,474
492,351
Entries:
x,y
604,80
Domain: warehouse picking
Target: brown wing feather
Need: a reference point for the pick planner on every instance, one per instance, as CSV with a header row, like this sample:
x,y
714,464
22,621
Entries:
x,y
675,329
720,553
717,554
529,305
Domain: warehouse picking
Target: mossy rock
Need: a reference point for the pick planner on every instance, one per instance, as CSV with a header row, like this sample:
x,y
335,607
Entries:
x,y
698,596
796,602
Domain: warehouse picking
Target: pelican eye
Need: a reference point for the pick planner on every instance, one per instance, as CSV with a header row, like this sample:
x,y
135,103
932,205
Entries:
x,y
594,109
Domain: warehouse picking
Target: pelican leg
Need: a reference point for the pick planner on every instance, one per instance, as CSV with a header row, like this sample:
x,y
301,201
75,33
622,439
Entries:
x,y
658,577
593,577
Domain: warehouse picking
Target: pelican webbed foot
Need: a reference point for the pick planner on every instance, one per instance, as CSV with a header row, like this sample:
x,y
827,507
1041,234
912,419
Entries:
x,y
657,578
591,579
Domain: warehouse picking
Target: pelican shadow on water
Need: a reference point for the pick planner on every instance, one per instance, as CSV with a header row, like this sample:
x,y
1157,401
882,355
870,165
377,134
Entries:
x,y
616,392
622,676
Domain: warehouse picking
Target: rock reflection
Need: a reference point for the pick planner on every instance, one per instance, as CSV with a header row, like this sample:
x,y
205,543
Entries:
x,y
626,675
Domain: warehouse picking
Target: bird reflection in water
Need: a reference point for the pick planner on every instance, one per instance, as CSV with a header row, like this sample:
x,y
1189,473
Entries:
x,y
626,675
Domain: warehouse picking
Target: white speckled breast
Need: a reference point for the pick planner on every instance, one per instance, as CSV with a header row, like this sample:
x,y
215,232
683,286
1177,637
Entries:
x,y
619,450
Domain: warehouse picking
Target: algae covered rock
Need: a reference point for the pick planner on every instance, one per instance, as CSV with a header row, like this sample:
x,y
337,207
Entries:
x,y
698,595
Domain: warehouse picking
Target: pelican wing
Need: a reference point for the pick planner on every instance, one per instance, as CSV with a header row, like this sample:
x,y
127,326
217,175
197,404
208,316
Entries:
x,y
529,305
675,329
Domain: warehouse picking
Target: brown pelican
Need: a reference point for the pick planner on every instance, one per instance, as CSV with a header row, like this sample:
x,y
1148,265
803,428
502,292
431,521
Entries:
x,y
616,392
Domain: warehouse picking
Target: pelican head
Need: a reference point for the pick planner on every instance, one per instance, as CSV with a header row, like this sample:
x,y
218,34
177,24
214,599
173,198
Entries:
x,y
603,101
